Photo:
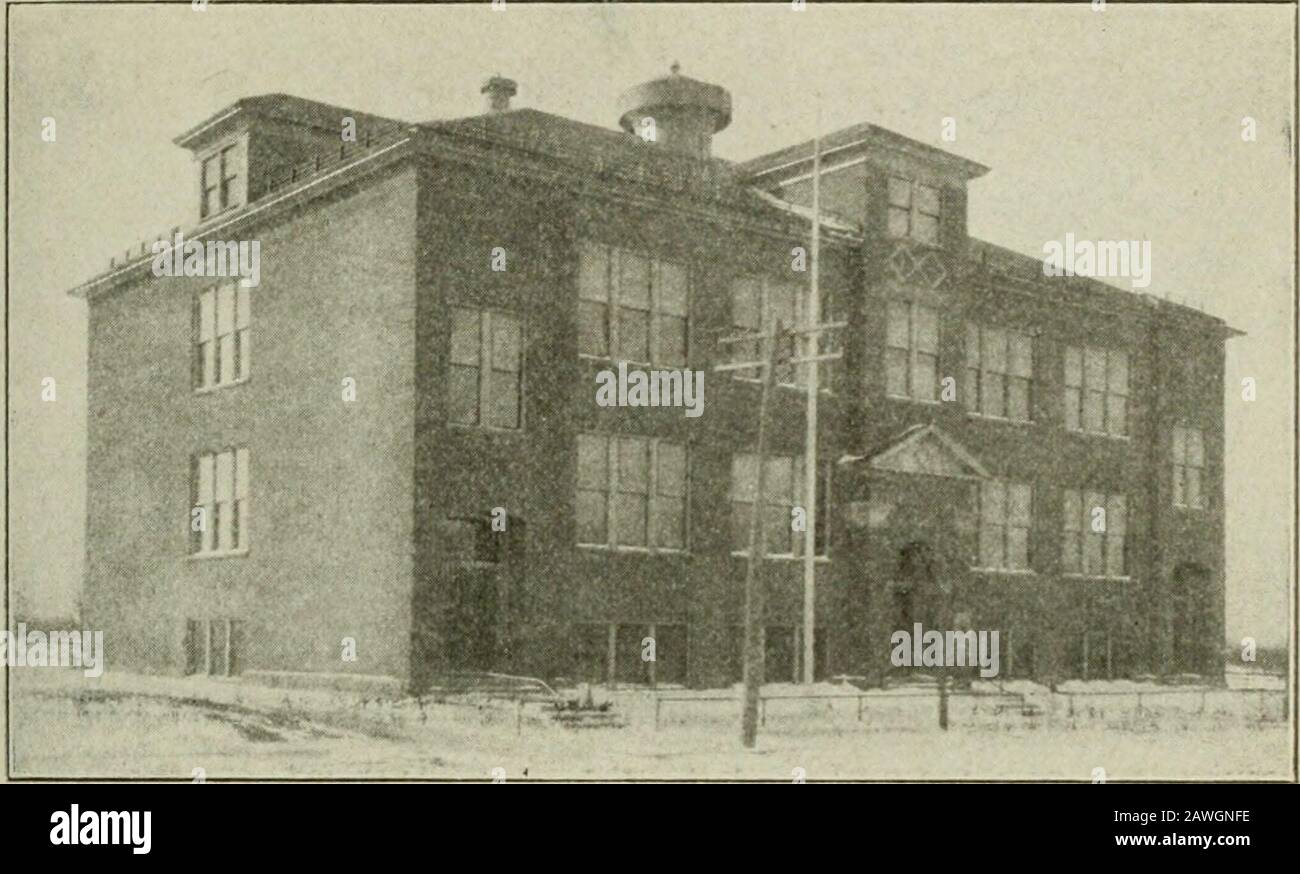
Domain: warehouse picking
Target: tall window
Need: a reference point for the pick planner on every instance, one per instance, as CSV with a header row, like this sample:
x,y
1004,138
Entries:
x,y
1095,529
999,372
758,303
219,500
1189,460
1004,513
913,210
784,489
1096,390
631,492
911,351
486,363
222,350
220,178
632,308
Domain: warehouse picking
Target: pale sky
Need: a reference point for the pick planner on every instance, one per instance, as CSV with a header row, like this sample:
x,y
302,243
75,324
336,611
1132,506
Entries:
x,y
1121,124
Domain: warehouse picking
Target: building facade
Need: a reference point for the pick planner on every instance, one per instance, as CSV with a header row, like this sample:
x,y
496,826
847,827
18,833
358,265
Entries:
x,y
387,457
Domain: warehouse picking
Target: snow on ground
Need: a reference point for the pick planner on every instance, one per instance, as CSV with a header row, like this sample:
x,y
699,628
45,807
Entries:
x,y
63,724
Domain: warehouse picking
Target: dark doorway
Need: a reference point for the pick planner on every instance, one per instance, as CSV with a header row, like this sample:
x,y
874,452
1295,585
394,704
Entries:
x,y
1189,626
911,590
472,638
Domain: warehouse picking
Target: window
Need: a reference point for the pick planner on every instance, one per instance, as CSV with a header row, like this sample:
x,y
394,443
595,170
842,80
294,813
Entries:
x,y
785,490
914,210
630,307
1189,460
999,373
486,363
1004,513
758,303
631,492
1094,541
220,179
911,351
219,488
618,653
222,350
1096,390
213,647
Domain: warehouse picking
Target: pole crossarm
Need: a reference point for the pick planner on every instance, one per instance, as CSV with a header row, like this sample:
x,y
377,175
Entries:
x,y
791,332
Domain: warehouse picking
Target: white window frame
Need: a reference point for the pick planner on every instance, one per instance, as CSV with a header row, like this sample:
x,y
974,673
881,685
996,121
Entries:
x,y
486,339
1003,525
236,505
1087,500
1184,467
226,159
1084,387
914,210
974,391
613,256
823,515
653,495
913,350
207,341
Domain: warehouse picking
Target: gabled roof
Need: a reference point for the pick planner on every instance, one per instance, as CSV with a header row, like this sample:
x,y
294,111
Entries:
x,y
923,449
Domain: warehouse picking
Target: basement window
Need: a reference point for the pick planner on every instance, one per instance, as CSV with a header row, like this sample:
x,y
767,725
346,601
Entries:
x,y
212,647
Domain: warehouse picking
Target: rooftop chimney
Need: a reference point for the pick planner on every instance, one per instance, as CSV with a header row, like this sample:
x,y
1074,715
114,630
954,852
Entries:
x,y
676,112
499,90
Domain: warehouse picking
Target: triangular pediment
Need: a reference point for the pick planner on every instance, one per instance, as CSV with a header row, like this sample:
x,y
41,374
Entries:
x,y
925,449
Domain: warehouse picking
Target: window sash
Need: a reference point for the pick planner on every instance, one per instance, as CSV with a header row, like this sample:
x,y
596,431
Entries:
x,y
999,373
629,496
1005,515
633,307
1092,553
1096,390
221,348
915,210
1188,460
220,487
911,351
485,370
785,491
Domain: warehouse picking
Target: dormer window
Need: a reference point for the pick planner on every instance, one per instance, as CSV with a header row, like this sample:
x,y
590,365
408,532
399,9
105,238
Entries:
x,y
913,210
220,178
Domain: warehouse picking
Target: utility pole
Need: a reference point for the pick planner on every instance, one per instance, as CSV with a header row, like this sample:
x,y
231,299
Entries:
x,y
812,352
755,593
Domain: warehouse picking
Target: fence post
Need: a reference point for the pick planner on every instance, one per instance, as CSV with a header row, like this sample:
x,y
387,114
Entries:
x,y
519,716
859,708
762,711
656,713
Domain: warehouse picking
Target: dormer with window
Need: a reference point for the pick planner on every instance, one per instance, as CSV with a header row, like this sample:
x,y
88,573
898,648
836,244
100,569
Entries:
x,y
258,144
895,187
222,179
